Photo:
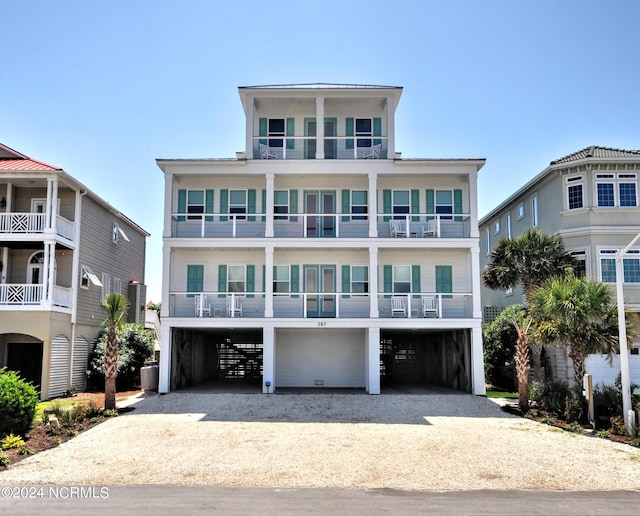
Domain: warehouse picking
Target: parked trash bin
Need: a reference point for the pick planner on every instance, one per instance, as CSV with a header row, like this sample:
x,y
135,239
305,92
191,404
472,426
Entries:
x,y
149,378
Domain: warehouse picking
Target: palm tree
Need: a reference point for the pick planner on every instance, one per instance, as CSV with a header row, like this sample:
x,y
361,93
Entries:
x,y
579,313
116,306
527,260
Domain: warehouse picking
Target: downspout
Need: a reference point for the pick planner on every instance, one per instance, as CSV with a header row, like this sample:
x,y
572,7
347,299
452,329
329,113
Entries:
x,y
75,269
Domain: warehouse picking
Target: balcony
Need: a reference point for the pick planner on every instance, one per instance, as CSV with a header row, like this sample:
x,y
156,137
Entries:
x,y
320,225
15,295
29,224
335,147
320,305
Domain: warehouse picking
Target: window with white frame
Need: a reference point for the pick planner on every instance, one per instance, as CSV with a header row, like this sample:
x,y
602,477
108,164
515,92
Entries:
x,y
276,132
359,279
236,278
508,224
195,203
364,127
496,227
616,190
238,202
87,277
401,201
534,211
281,279
630,266
281,204
114,233
575,192
401,278
580,266
520,211
487,238
359,204
444,202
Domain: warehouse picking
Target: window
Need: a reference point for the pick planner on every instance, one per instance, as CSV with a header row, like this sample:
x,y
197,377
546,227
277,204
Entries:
x,y
534,211
114,233
238,202
630,266
620,190
106,285
488,241
508,224
195,202
358,204
496,227
401,201
520,211
605,194
580,267
281,279
575,197
116,286
88,276
280,204
364,128
359,279
628,195
236,278
276,128
401,278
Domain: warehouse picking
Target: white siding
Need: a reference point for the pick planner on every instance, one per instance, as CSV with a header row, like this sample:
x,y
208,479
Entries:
x,y
80,356
59,367
598,366
336,357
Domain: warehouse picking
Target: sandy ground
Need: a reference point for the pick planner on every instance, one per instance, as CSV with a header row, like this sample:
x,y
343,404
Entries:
x,y
416,442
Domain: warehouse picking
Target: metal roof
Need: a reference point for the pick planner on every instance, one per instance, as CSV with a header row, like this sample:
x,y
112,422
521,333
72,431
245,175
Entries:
x,y
319,85
25,164
596,151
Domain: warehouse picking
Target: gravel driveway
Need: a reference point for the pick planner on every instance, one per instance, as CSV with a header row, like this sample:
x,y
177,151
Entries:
x,y
418,442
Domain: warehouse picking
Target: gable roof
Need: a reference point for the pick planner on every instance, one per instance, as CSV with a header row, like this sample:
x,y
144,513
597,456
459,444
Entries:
x,y
596,151
11,159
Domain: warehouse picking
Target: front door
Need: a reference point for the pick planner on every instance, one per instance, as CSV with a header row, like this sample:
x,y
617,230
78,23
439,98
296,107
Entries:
x,y
320,286
330,144
318,205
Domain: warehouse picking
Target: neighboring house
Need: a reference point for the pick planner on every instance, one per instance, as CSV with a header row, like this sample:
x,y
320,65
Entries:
x,y
318,257
152,322
62,249
590,199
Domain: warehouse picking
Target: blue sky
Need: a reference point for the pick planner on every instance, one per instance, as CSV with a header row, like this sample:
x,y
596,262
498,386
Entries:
x,y
102,89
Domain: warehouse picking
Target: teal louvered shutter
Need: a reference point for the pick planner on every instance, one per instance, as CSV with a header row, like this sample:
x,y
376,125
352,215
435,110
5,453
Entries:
x,y
457,203
346,204
377,130
182,203
346,280
291,131
293,204
386,203
222,280
349,132
251,203
262,130
264,204
195,278
387,274
444,279
415,204
208,204
415,280
295,279
431,202
251,280
224,203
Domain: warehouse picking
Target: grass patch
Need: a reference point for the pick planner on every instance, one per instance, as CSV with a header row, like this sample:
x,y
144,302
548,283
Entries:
x,y
43,405
502,394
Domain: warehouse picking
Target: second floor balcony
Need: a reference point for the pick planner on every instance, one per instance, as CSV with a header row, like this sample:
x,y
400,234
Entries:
x,y
33,225
16,296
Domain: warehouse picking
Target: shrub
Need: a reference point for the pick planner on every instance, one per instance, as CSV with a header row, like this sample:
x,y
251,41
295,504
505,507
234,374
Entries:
x,y
12,441
499,340
18,401
135,347
550,396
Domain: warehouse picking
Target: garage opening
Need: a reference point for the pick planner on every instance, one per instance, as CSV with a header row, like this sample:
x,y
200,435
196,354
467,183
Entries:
x,y
423,358
26,358
216,358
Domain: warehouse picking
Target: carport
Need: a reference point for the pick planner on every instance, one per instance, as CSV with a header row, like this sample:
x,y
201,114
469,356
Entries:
x,y
423,357
216,356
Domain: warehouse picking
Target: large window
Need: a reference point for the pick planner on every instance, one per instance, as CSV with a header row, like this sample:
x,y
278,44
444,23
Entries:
x,y
534,211
358,204
276,129
280,204
401,201
364,127
444,202
508,224
359,279
401,278
281,279
195,203
580,266
238,202
236,281
630,266
616,190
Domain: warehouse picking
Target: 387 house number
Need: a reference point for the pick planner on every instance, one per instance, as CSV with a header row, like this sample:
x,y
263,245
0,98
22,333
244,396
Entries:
x,y
322,324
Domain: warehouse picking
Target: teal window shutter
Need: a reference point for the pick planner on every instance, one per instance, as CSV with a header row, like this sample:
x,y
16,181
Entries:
x,y
195,278
224,203
262,128
457,203
293,204
349,132
444,279
415,204
291,144
208,204
251,279
415,279
346,204
295,279
264,204
387,278
182,203
346,279
386,203
222,280
431,202
251,203
377,130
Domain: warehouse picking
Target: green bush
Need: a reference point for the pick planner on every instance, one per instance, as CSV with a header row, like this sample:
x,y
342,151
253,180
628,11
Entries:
x,y
550,396
18,401
499,341
135,347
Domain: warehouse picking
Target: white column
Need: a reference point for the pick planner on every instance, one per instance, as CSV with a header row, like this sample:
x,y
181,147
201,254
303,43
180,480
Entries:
x,y
270,195
9,207
373,283
373,361
5,263
391,128
164,370
268,360
166,281
473,204
250,130
475,282
52,272
268,281
319,127
45,274
373,205
168,203
477,375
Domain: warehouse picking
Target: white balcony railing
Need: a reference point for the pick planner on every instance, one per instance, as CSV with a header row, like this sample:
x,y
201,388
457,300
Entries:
x,y
61,296
305,147
65,228
26,223
20,294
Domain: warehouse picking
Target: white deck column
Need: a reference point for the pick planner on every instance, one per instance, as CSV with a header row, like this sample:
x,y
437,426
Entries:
x,y
268,281
391,128
478,386
373,361
166,281
52,272
250,130
268,209
46,270
164,371
475,283
268,360
373,205
473,204
373,283
319,127
168,203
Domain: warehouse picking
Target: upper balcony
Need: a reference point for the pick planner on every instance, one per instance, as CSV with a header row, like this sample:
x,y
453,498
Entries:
x,y
30,226
335,147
